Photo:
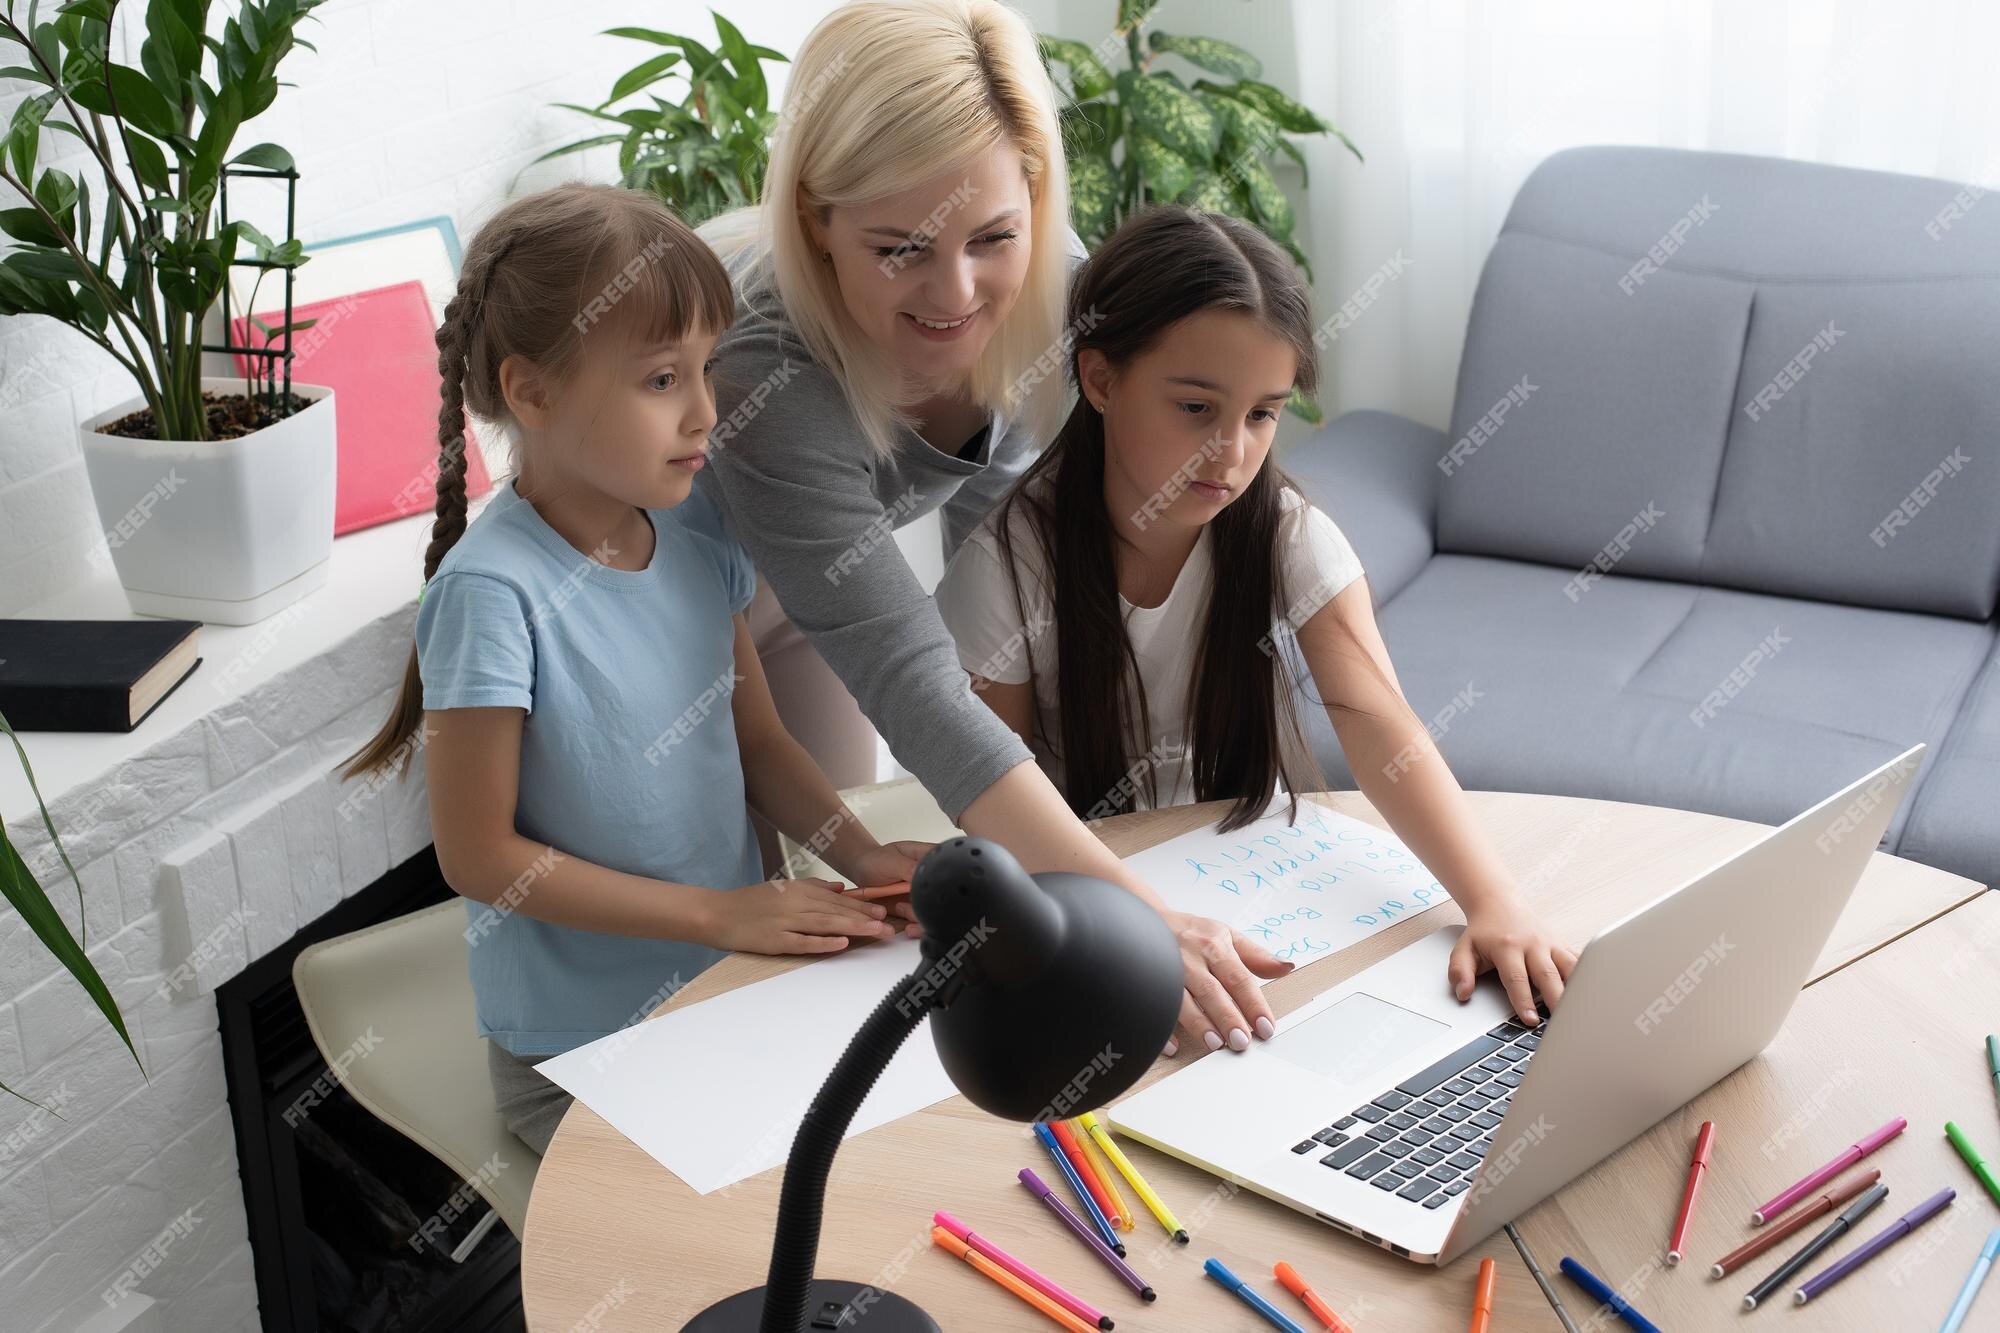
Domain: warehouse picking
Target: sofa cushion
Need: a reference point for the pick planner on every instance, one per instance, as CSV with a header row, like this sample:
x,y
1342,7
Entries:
x,y
1955,816
1579,408
1649,295
1664,693
1873,478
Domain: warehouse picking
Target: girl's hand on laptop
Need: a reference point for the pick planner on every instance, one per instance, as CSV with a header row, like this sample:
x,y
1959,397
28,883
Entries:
x,y
794,916
1223,1003
1505,936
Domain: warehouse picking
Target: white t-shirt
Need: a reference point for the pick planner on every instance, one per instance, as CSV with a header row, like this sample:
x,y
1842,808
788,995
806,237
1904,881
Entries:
x,y
976,600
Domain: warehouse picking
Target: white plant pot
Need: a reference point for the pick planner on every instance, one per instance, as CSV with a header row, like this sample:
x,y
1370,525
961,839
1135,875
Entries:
x,y
223,531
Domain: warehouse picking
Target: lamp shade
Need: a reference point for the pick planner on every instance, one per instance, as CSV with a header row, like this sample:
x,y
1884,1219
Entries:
x,y
1052,993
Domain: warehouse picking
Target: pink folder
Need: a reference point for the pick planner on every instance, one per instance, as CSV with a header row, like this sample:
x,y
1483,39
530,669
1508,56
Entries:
x,y
377,351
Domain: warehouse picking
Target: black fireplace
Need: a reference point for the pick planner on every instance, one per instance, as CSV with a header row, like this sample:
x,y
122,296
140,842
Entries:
x,y
335,1196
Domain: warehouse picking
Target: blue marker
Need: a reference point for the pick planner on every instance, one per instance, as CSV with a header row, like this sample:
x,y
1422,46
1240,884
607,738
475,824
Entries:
x,y
1250,1298
1963,1305
1091,1210
1601,1292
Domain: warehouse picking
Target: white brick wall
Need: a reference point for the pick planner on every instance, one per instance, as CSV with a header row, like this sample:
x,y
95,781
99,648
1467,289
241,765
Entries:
x,y
196,857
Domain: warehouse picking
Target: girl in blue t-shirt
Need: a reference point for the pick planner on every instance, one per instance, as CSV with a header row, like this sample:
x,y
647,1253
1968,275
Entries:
x,y
595,723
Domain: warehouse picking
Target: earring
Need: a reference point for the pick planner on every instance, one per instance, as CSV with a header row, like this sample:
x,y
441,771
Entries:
x,y
826,256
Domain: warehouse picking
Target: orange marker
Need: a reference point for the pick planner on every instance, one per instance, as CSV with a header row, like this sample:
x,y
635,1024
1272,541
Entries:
x,y
1066,1137
1106,1177
1288,1278
951,1244
874,891
1482,1296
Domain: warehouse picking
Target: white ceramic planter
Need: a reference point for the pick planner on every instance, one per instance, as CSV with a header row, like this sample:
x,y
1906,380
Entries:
x,y
223,531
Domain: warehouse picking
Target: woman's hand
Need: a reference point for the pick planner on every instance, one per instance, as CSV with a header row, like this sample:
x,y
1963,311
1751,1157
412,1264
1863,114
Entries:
x,y
892,863
793,916
1503,935
1223,1003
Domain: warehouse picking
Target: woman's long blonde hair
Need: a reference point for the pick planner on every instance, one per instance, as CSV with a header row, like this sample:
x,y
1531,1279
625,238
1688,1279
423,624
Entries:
x,y
883,96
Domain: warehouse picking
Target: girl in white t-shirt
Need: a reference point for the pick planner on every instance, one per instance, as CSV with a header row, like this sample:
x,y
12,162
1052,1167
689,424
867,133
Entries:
x,y
1151,669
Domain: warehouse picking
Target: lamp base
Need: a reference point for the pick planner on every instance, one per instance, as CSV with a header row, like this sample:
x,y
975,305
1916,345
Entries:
x,y
835,1305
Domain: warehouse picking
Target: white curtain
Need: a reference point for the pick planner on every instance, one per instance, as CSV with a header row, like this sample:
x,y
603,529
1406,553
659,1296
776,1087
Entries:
x,y
1455,101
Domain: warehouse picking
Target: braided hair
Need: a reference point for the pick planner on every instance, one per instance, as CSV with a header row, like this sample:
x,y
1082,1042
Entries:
x,y
526,288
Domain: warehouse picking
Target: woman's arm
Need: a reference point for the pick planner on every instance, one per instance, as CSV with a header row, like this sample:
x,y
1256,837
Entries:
x,y
472,760
785,786
1400,770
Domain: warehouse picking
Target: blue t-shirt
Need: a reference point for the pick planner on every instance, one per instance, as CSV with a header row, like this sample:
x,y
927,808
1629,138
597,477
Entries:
x,y
628,752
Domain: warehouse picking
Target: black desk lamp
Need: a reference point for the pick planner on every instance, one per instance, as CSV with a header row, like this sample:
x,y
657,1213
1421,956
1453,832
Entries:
x,y
1050,993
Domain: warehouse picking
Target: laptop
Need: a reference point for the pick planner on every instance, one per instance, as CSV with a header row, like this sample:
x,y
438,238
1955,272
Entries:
x,y
1389,1110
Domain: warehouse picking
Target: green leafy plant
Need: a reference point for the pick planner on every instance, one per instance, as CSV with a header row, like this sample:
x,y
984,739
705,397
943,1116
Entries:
x,y
705,153
138,270
19,887
1143,135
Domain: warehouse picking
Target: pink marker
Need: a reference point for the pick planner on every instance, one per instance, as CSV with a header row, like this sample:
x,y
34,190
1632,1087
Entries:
x,y
1020,1270
1839,1164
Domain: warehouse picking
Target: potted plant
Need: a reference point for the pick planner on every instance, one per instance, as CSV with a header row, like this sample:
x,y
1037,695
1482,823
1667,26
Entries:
x,y
1143,135
705,153
215,492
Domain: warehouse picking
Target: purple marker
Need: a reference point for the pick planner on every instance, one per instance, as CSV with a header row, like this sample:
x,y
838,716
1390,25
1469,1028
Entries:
x,y
1086,1234
1875,1244
1828,1172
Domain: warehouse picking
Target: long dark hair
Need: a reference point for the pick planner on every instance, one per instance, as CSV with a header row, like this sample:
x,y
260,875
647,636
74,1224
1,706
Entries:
x,y
1160,267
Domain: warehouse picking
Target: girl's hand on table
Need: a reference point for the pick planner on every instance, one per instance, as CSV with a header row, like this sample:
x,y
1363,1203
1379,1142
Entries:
x,y
787,916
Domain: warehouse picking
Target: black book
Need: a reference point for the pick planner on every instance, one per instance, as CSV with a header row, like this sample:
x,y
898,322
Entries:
x,y
91,675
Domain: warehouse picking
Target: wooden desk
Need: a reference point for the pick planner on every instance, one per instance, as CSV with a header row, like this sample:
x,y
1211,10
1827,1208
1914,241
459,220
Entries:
x,y
614,1238
1902,1032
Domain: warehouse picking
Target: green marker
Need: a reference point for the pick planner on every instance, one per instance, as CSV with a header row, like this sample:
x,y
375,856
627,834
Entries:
x,y
1980,1171
1993,1062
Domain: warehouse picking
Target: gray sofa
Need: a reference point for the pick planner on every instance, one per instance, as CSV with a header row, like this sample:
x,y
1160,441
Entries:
x,y
1717,522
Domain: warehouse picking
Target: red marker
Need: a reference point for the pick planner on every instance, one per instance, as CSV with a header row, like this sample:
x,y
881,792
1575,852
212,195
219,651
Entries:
x,y
1704,1144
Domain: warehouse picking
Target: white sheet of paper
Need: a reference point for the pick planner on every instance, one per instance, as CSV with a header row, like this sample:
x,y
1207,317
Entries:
x,y
715,1091
1304,891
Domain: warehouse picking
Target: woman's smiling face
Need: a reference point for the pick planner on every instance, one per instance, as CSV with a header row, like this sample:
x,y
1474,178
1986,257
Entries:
x,y
929,274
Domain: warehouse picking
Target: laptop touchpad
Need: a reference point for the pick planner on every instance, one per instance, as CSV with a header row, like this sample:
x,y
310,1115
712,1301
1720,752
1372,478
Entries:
x,y
1354,1039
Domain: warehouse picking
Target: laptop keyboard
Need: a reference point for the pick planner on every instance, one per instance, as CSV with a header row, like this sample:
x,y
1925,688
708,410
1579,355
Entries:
x,y
1423,1140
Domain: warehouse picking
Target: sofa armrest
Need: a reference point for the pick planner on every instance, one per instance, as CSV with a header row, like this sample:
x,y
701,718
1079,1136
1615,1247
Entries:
x,y
1376,475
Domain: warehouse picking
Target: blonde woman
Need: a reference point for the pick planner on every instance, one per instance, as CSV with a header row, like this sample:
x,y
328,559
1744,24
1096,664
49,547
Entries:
x,y
898,349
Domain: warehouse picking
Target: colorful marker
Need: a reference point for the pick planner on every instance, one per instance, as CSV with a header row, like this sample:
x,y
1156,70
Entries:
x,y
1600,1291
1124,1166
1834,1230
1482,1296
869,893
1288,1278
1791,1222
1875,1244
1980,1171
1054,1292
1073,1150
1993,1062
1793,1193
1090,1208
1980,1266
1250,1298
1100,1166
951,1244
1704,1146
1086,1233
1549,1292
